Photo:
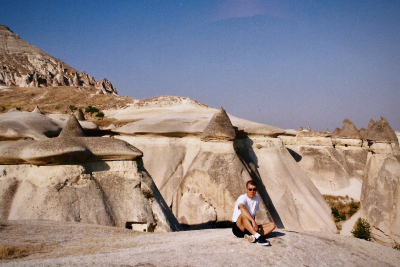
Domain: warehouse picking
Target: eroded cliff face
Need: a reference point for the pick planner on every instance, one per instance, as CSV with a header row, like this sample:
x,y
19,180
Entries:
x,y
24,65
364,165
201,181
380,197
114,193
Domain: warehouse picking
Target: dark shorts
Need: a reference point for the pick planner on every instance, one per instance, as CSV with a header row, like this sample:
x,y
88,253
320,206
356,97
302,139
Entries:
x,y
237,232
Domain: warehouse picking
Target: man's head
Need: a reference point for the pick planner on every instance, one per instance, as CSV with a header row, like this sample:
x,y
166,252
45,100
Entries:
x,y
251,189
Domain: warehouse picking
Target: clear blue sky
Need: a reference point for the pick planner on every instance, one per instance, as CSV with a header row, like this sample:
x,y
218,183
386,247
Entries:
x,y
282,63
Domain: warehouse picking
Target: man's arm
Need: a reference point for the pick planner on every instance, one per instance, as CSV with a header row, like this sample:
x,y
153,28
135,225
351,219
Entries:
x,y
247,214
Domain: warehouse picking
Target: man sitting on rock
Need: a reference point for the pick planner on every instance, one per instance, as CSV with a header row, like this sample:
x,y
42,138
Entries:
x,y
244,224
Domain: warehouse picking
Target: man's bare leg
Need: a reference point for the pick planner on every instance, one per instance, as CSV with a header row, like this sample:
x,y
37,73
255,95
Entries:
x,y
244,223
266,228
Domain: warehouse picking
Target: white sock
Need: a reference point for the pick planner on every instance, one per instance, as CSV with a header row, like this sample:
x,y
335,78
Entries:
x,y
256,235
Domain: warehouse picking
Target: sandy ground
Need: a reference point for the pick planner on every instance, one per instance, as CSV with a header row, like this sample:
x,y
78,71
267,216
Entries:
x,y
214,247
353,190
348,225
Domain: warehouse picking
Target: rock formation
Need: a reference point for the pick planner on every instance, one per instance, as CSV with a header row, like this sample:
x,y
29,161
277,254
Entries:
x,y
380,131
16,125
85,179
220,128
79,115
72,128
37,110
25,65
114,193
380,198
349,130
335,132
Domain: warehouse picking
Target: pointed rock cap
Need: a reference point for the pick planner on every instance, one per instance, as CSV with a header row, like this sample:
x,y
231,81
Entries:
x,y
362,133
349,130
79,115
335,133
219,128
309,128
72,128
380,131
327,130
301,128
37,110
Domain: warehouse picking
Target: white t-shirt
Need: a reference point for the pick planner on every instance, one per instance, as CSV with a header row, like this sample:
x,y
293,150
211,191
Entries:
x,y
252,205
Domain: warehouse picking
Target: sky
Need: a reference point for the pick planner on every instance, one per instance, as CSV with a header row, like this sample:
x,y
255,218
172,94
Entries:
x,y
284,63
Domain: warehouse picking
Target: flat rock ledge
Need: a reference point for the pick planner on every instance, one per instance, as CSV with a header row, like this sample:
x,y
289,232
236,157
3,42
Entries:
x,y
218,247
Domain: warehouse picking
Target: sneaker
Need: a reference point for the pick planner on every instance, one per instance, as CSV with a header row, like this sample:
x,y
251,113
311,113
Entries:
x,y
250,238
263,242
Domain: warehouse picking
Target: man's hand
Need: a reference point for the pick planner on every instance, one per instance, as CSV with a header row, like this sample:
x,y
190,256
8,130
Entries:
x,y
255,226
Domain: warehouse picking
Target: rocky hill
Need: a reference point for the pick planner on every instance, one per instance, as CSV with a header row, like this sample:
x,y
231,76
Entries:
x,y
24,65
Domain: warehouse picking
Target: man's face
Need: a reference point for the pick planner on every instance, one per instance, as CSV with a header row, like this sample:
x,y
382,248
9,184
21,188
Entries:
x,y
251,191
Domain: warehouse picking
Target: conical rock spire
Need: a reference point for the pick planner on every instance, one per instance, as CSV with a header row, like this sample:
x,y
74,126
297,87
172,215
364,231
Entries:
x,y
220,128
72,128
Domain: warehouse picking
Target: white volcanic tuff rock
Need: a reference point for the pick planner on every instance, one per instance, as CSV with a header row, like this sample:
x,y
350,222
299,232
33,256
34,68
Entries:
x,y
349,130
25,65
380,131
107,193
187,170
61,119
356,160
16,125
380,198
324,165
180,119
66,150
219,128
295,199
215,179
72,128
211,248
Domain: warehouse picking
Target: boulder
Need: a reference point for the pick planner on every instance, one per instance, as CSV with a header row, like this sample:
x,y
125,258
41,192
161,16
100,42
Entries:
x,y
15,125
348,130
72,128
381,131
220,128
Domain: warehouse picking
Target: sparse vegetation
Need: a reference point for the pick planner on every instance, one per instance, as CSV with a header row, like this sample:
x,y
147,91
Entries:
x,y
361,229
397,247
100,115
91,110
18,108
342,208
72,108
57,107
147,194
3,108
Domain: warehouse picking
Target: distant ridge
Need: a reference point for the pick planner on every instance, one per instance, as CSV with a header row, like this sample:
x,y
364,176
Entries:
x,y
25,65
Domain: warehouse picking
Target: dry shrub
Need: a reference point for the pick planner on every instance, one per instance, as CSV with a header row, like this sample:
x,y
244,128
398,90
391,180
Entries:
x,y
15,252
342,208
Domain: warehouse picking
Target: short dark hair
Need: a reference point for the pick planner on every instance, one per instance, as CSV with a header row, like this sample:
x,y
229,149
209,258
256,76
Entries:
x,y
252,182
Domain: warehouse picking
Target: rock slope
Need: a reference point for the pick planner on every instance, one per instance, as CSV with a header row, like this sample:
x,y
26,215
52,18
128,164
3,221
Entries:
x,y
24,65
217,247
